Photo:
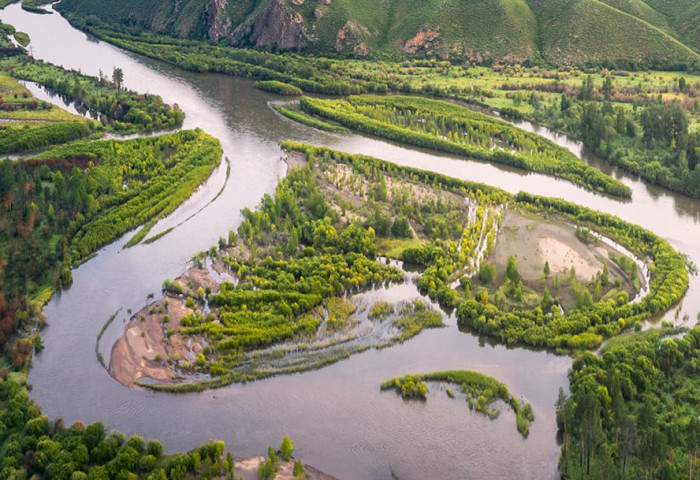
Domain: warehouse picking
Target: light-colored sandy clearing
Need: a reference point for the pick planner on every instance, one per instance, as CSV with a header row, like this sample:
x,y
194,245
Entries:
x,y
534,241
562,257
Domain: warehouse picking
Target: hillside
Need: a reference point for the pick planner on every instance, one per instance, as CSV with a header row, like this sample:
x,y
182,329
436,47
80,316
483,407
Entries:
x,y
683,15
650,32
577,31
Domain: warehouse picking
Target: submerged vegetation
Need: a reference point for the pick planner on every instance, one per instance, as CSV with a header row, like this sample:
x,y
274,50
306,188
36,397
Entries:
x,y
481,392
454,129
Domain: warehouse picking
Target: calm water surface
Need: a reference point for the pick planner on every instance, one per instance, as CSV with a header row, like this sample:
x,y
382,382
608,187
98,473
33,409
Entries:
x,y
340,421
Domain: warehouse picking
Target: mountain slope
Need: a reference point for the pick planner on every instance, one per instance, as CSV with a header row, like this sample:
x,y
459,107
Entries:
x,y
560,31
684,16
575,31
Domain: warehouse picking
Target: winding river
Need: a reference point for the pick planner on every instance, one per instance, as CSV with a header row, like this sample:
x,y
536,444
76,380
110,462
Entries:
x,y
340,421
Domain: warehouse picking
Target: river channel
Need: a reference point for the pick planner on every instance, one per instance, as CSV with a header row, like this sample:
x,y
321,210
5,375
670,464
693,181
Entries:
x,y
341,423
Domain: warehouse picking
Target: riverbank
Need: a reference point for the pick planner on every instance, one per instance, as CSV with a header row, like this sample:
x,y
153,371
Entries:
x,y
247,469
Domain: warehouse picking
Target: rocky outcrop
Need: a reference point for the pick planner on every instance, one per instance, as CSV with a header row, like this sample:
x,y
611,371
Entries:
x,y
275,26
351,36
424,42
219,23
160,21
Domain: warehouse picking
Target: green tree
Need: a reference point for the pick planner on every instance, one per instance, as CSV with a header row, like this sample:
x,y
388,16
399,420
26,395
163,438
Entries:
x,y
487,273
682,84
586,92
565,102
512,273
298,471
155,448
401,228
547,300
607,88
118,77
287,448
665,124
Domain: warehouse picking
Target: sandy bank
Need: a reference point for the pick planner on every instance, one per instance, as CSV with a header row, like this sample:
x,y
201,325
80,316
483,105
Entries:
x,y
247,469
151,349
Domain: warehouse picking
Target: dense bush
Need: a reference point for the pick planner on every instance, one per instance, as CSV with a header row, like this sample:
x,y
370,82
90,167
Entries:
x,y
279,88
586,327
27,138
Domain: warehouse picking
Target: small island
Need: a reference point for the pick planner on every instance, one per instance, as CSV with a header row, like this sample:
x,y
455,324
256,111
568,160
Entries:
x,y
481,393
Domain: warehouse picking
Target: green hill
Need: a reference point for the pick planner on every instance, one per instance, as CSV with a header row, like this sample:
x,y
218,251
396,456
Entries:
x,y
655,32
684,16
575,31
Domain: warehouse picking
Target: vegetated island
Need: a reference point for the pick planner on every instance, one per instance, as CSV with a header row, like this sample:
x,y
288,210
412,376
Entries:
x,y
481,392
293,288
293,112
448,258
280,88
104,104
287,298
456,129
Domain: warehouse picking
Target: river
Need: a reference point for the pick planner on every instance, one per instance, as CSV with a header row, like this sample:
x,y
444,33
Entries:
x,y
341,423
